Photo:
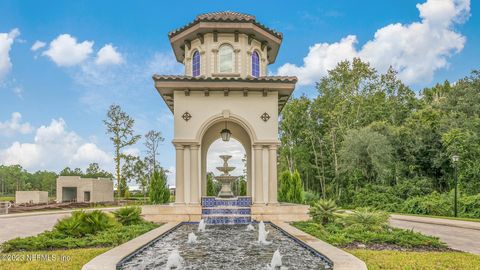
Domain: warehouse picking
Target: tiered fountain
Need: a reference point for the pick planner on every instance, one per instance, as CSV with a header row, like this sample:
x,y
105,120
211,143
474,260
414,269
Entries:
x,y
226,208
226,179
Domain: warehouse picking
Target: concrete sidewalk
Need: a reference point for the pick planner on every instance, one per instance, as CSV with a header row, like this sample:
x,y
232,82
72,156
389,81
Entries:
x,y
457,234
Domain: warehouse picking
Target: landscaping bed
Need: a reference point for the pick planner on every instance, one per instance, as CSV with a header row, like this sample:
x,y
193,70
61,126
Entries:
x,y
86,229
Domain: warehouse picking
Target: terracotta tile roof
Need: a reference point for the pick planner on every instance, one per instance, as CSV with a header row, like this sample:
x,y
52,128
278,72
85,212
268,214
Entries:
x,y
280,79
225,16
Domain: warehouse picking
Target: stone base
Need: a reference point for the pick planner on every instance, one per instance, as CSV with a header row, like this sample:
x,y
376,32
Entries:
x,y
172,212
193,212
287,212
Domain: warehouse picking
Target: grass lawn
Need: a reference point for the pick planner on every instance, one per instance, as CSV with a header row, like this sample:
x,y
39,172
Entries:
x,y
402,260
452,218
7,199
72,259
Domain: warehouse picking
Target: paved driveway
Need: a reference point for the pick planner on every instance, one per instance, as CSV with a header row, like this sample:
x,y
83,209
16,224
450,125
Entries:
x,y
459,235
13,227
33,223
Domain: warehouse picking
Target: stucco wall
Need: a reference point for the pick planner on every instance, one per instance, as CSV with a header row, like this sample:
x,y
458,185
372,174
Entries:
x,y
31,197
101,190
242,52
202,108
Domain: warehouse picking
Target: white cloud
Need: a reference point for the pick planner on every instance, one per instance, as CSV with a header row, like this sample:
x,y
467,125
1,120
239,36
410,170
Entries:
x,y
132,151
54,148
233,148
14,125
65,51
108,55
6,41
18,91
38,45
415,50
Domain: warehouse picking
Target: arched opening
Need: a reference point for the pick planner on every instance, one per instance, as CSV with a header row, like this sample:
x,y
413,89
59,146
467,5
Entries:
x,y
196,64
239,137
255,65
238,160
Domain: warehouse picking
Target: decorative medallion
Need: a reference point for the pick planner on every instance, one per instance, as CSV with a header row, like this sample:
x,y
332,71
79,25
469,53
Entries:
x,y
265,116
186,116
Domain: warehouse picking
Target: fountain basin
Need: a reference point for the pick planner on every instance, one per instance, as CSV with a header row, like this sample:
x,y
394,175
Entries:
x,y
226,247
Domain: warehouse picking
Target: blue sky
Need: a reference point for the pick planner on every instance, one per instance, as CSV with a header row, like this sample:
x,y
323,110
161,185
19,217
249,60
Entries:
x,y
96,53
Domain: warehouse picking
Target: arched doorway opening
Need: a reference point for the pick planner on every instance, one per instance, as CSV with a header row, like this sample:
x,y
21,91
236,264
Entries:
x,y
238,160
211,135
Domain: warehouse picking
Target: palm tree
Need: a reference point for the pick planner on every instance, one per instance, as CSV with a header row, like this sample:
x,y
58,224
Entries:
x,y
324,211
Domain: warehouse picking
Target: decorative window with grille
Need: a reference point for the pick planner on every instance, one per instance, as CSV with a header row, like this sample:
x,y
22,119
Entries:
x,y
196,64
255,65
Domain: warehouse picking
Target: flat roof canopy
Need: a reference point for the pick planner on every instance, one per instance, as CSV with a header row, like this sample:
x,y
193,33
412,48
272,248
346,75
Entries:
x,y
166,85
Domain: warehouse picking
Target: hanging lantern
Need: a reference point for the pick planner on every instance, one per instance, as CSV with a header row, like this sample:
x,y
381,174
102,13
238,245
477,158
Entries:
x,y
225,133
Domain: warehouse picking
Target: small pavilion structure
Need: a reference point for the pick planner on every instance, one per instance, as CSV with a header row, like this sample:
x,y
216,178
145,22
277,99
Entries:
x,y
225,92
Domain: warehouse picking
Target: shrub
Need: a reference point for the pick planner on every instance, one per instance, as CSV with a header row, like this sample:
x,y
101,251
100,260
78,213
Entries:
x,y
128,215
338,235
433,204
469,206
295,195
409,188
285,180
377,197
310,197
324,211
50,240
159,192
81,223
367,219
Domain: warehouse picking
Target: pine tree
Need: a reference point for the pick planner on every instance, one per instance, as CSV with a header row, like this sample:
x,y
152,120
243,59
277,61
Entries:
x,y
295,193
159,191
285,180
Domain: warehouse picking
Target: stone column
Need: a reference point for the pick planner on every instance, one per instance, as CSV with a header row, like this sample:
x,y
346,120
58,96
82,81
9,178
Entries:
x,y
215,60
179,180
237,61
258,187
194,179
272,174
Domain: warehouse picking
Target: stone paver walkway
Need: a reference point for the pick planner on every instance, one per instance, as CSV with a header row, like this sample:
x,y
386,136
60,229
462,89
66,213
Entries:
x,y
459,235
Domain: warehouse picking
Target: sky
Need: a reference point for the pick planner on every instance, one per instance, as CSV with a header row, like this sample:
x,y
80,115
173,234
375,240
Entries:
x,y
63,63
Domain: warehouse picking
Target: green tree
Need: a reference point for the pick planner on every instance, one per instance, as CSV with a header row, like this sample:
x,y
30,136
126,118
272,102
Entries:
x,y
366,154
284,186
295,194
120,128
152,140
94,171
159,191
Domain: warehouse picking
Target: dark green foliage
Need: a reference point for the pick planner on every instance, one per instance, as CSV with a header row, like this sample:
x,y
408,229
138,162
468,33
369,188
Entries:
x,y
284,186
310,198
239,187
159,191
212,186
82,223
128,215
290,187
51,240
324,211
366,128
377,197
367,227
433,204
366,219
